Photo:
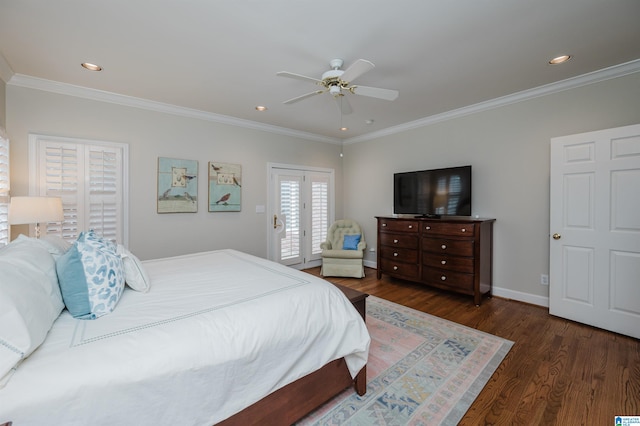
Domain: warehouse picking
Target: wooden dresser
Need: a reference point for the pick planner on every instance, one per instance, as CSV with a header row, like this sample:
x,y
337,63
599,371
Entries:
x,y
451,253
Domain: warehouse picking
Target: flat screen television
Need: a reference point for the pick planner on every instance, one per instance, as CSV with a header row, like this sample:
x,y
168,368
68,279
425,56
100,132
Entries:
x,y
433,193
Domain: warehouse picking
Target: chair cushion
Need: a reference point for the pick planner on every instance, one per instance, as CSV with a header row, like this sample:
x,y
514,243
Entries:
x,y
342,254
351,242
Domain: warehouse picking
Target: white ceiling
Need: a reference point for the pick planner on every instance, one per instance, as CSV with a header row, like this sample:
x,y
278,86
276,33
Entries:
x,y
220,58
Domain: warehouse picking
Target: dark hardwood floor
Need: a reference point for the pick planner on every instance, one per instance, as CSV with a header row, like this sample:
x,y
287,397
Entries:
x,y
558,372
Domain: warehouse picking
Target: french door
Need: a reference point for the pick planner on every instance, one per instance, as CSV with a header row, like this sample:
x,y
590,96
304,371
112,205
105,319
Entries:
x,y
301,206
595,227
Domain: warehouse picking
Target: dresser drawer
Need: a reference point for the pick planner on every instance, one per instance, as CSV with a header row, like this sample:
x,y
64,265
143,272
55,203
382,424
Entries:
x,y
449,229
404,270
449,279
399,254
399,240
452,247
450,263
399,225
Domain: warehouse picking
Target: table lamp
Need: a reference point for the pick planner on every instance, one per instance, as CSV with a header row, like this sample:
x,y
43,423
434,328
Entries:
x,y
27,210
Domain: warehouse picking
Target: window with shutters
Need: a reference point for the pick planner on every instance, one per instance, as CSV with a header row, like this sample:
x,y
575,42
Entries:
x,y
4,188
90,177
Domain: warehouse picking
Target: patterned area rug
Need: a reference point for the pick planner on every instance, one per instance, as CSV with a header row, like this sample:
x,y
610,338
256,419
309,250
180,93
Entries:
x,y
422,370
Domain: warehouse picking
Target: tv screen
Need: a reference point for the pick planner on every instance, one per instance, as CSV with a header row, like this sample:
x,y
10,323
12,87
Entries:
x,y
433,193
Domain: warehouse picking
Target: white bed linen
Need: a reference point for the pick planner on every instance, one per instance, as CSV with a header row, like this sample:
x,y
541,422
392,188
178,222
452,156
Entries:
x,y
217,332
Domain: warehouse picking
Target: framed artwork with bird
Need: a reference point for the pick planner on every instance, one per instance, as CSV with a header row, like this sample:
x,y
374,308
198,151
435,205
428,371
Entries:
x,y
225,187
177,185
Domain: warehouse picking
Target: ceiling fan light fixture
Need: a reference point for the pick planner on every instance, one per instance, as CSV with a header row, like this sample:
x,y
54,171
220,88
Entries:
x,y
559,59
91,67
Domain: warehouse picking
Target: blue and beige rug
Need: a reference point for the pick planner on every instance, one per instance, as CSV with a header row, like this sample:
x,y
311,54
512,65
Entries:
x,y
422,370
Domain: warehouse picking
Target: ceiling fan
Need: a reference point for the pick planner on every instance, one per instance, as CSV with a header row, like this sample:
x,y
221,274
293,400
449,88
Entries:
x,y
337,82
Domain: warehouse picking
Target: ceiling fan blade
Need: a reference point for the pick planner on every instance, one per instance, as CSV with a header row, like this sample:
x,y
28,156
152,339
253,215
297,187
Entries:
x,y
298,76
356,69
375,92
299,98
343,104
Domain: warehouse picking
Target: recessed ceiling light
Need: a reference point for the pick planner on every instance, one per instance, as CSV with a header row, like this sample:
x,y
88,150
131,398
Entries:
x,y
560,59
261,108
344,129
91,67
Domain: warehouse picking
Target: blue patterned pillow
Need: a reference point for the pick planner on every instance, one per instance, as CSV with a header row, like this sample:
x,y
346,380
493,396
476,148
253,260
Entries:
x,y
351,242
91,277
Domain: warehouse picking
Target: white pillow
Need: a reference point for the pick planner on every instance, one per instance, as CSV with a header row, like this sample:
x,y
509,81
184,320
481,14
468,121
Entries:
x,y
57,246
134,273
30,301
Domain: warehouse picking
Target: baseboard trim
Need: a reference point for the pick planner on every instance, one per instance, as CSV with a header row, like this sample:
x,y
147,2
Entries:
x,y
533,299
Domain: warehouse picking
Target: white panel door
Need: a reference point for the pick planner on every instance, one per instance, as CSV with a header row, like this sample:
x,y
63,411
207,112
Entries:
x,y
595,229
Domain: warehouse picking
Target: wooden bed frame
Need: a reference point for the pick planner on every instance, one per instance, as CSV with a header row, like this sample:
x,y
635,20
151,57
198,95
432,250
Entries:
x,y
294,401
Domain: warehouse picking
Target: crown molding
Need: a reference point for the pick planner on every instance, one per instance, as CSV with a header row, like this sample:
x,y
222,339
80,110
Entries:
x,y
21,80
6,73
29,82
560,86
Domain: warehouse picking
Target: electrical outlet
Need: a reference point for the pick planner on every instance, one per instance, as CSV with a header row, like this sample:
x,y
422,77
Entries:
x,y
544,279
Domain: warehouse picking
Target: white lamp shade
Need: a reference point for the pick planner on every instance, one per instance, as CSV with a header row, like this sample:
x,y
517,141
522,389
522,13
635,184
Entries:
x,y
23,210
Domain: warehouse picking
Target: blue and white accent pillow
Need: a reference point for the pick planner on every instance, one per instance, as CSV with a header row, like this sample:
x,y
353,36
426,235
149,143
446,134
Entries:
x,y
91,276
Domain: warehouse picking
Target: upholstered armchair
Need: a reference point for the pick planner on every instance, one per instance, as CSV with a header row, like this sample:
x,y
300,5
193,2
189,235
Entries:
x,y
343,251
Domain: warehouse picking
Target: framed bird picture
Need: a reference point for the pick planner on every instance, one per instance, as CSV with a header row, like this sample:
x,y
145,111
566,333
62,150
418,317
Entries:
x,y
225,187
177,185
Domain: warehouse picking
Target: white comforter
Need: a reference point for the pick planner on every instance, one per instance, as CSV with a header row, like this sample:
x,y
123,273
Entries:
x,y
217,332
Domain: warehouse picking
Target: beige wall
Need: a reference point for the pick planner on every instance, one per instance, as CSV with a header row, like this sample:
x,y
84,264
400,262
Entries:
x,y
508,148
151,135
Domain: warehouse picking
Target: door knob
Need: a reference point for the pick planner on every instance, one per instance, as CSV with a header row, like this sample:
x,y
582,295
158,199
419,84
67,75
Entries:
x,y
557,236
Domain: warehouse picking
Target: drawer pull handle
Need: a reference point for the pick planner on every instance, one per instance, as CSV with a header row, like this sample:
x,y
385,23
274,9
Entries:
x,y
443,247
464,230
410,226
444,262
428,228
443,278
384,225
395,241
395,254
395,268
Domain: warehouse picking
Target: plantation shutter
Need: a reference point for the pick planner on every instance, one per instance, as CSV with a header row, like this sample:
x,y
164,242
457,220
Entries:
x,y
290,207
61,174
104,192
90,178
4,189
319,211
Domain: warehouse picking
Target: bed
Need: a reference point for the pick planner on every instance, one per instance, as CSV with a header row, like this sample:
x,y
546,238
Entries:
x,y
219,336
